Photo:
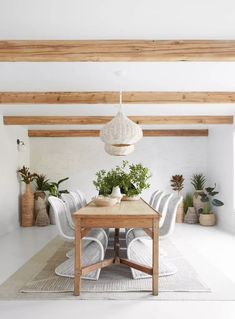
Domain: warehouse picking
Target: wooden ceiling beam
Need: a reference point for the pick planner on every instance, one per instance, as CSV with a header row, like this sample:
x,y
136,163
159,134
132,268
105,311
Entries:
x,y
90,120
116,50
96,133
111,97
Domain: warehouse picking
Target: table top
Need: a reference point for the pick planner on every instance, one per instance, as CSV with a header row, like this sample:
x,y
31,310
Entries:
x,y
137,208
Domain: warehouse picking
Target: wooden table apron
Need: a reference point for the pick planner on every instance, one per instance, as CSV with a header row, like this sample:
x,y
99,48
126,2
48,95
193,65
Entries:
x,y
85,220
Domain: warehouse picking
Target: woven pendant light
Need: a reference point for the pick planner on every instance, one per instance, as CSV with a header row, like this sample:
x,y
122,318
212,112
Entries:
x,y
119,150
121,130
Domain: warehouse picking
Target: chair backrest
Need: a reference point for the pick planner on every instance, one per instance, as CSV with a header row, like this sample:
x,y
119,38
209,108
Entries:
x,y
59,209
163,206
157,200
169,222
77,200
153,197
82,197
70,207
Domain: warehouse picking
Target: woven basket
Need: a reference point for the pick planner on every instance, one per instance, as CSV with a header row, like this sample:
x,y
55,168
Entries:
x,y
180,213
191,217
42,218
27,208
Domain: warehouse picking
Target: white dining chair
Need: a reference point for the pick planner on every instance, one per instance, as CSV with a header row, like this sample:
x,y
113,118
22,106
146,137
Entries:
x,y
77,200
82,197
163,206
70,207
153,197
94,244
157,200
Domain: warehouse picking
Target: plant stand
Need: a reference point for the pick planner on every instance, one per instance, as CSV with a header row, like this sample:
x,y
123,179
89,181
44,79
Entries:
x,y
27,208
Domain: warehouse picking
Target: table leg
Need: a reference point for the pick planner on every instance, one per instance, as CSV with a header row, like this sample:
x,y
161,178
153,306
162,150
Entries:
x,y
117,245
77,270
155,258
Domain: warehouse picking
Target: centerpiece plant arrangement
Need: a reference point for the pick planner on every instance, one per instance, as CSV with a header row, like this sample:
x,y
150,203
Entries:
x,y
131,179
27,199
198,181
177,184
207,217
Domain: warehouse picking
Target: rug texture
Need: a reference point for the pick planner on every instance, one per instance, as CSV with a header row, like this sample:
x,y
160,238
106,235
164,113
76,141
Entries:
x,y
37,280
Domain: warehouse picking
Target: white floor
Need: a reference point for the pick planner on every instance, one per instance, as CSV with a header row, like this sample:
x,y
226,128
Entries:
x,y
216,246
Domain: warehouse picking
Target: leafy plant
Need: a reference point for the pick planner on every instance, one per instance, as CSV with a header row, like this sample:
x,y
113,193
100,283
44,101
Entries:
x,y
198,181
131,179
208,199
54,188
188,202
26,176
177,182
42,183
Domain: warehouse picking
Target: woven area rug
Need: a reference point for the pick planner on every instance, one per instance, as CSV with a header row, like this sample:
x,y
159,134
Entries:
x,y
36,280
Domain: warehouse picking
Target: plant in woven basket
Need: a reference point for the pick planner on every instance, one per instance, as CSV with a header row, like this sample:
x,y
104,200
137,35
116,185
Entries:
x,y
54,188
42,183
26,176
177,183
209,201
198,181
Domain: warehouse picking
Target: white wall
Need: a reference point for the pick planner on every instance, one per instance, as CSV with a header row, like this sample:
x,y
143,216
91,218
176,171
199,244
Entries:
x,y
221,172
81,158
10,161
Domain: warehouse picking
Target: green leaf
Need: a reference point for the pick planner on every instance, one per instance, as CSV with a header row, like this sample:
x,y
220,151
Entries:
x,y
217,203
204,198
62,180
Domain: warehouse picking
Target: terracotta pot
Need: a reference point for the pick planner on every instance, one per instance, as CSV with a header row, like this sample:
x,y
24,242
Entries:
x,y
27,208
180,213
197,203
207,219
42,218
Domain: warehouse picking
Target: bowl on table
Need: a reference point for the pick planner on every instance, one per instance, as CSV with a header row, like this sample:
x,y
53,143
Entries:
x,y
103,201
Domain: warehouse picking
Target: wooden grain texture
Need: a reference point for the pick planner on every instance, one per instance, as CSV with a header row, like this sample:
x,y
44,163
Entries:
x,y
77,264
96,133
140,267
108,97
155,231
116,50
87,120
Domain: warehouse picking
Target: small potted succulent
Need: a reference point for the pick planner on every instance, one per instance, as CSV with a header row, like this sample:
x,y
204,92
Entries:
x,y
198,181
207,217
177,184
27,199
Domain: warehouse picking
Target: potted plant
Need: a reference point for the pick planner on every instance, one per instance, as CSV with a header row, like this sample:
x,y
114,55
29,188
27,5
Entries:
x,y
198,181
27,199
207,217
177,184
135,181
190,215
131,179
42,185
54,190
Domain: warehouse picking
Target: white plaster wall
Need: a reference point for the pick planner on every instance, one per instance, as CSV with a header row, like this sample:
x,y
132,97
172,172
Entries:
x,y
221,172
81,158
10,161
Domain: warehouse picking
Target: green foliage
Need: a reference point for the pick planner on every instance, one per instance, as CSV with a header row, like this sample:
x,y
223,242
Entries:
x,y
131,179
208,200
26,176
54,188
177,182
198,181
42,183
188,202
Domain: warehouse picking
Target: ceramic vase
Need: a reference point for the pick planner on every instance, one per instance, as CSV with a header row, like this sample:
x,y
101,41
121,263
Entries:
x,y
191,217
27,208
116,193
136,197
42,218
180,213
197,203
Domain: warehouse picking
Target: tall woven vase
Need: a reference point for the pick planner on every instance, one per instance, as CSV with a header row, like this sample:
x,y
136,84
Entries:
x,y
180,213
27,208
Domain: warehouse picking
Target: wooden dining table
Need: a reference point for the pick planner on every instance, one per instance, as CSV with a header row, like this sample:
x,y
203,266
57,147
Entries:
x,y
126,214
